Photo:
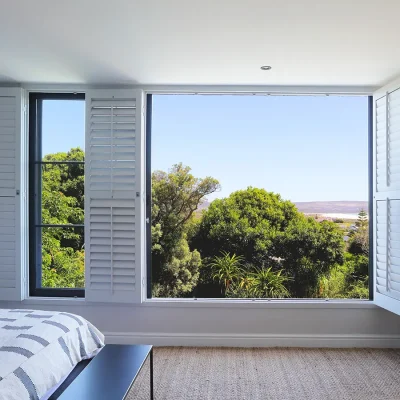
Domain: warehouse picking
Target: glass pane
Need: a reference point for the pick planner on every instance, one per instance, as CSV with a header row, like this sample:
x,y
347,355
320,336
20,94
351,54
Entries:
x,y
259,196
63,257
62,194
60,252
63,130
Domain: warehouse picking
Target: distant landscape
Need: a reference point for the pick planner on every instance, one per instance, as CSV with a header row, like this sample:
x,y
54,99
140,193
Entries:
x,y
332,207
328,209
250,244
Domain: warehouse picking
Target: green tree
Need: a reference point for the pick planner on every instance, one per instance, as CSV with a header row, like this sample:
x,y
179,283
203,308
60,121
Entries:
x,y
63,203
359,238
238,282
245,223
362,220
176,195
347,281
357,259
264,282
307,250
227,269
333,284
266,230
62,267
180,272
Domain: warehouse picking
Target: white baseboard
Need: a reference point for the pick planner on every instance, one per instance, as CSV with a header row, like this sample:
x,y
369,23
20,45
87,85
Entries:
x,y
267,340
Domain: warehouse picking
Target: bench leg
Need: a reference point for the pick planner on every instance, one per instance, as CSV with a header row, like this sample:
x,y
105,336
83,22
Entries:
x,y
151,376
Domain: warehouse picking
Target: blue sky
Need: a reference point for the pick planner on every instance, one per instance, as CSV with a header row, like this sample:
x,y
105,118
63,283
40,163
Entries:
x,y
307,148
63,125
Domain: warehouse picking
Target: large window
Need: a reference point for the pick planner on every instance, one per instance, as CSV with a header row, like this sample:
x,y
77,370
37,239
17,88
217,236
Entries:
x,y
258,196
56,185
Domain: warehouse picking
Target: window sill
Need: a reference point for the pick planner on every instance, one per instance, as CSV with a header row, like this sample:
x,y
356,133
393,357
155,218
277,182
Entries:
x,y
49,301
209,303
268,304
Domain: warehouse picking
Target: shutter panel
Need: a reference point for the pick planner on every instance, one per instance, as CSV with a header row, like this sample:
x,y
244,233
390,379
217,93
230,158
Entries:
x,y
381,144
387,113
388,247
386,188
10,228
114,196
8,110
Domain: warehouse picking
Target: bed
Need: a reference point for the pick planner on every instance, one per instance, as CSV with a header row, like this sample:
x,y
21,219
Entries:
x,y
42,350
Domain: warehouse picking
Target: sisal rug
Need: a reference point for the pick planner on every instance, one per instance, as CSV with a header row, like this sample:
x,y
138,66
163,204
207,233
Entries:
x,y
184,373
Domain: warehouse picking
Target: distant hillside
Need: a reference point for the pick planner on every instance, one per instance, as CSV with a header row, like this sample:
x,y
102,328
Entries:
x,y
324,207
203,206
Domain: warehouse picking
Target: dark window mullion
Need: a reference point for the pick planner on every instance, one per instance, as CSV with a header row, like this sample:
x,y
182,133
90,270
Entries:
x,y
60,226
60,162
149,108
370,197
55,292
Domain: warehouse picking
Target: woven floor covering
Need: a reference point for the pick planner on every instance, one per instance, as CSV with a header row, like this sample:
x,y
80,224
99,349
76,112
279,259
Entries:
x,y
270,373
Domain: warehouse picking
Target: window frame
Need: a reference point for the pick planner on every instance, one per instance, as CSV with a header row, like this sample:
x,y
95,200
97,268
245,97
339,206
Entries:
x,y
371,195
187,301
148,205
34,170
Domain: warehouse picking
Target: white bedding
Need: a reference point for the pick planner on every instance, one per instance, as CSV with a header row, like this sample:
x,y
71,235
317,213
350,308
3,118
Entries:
x,y
48,394
39,348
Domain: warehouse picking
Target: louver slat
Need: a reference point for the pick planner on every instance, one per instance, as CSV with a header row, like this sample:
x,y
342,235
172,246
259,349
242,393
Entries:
x,y
388,142
7,243
7,145
387,248
381,144
112,208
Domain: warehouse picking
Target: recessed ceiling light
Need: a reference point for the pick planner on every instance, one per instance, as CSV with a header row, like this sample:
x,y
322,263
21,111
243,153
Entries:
x,y
266,67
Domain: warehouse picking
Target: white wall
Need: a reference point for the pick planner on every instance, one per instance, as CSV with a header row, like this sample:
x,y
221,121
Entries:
x,y
325,325
247,324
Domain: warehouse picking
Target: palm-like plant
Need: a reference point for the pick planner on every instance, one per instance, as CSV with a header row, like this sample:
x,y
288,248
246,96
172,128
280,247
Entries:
x,y
236,282
227,268
264,282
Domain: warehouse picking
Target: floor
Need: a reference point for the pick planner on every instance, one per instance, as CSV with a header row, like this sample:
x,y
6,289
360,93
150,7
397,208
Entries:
x,y
271,373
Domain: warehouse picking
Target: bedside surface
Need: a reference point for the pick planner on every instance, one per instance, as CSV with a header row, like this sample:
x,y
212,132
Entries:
x,y
110,375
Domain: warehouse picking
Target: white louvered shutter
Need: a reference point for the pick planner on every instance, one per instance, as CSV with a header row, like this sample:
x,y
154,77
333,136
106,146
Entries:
x,y
10,199
114,196
386,188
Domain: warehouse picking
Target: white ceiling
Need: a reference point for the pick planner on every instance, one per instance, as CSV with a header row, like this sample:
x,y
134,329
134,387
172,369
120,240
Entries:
x,y
200,42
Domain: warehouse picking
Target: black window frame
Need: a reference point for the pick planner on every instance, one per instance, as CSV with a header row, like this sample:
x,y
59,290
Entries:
x,y
148,204
35,170
370,110
371,195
